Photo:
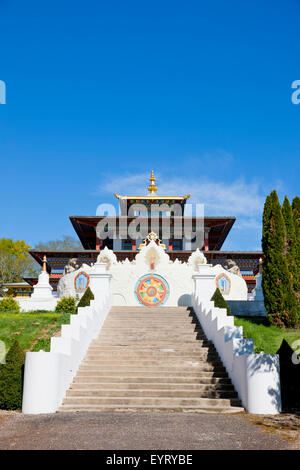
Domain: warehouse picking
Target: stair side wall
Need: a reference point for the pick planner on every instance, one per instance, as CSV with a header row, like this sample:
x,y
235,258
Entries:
x,y
256,377
48,375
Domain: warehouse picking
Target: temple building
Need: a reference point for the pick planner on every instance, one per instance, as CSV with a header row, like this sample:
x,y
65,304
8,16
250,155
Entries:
x,y
100,231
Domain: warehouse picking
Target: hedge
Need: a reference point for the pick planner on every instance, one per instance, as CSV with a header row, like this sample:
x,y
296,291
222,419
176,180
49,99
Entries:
x,y
86,298
66,305
9,304
11,378
220,302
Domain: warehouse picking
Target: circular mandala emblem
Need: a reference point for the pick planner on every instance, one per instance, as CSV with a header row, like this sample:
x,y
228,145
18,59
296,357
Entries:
x,y
152,290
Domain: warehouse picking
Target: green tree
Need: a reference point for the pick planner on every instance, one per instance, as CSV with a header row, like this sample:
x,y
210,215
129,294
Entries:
x,y
265,225
296,217
290,245
65,244
15,261
280,301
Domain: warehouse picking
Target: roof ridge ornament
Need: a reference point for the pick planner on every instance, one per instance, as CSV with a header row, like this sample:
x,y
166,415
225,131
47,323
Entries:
x,y
152,187
44,269
152,237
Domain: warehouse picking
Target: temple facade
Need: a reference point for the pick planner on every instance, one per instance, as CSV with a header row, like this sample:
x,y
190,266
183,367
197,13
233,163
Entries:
x,y
180,230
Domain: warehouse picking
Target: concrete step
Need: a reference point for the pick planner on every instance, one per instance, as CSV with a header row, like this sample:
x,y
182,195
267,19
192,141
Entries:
x,y
151,373
154,326
163,353
66,408
155,322
127,329
169,368
158,357
140,340
167,322
167,401
151,386
151,359
196,347
203,379
146,333
152,311
149,311
74,392
143,363
152,320
121,308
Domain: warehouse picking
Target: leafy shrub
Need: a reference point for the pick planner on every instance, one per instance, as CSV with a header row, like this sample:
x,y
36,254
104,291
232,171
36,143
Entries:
x,y
66,305
86,298
220,302
9,304
11,378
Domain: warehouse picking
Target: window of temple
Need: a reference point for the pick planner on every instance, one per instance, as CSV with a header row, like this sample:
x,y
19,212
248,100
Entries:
x,y
127,244
177,244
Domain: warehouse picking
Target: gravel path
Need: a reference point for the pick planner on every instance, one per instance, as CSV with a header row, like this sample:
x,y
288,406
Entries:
x,y
136,431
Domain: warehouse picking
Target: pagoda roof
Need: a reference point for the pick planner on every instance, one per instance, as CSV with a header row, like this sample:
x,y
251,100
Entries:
x,y
153,197
85,227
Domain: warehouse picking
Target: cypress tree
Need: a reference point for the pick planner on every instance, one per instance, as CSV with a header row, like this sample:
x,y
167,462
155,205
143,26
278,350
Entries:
x,y
296,218
265,225
276,282
11,378
290,246
272,247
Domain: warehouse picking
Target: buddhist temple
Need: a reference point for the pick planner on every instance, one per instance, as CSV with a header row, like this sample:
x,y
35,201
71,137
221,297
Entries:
x,y
214,231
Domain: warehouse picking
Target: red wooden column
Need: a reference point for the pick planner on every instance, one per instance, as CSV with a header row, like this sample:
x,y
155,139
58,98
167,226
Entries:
x,y
133,245
206,245
98,243
170,245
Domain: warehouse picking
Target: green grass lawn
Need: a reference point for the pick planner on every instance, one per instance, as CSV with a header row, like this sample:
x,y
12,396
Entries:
x,y
33,330
266,338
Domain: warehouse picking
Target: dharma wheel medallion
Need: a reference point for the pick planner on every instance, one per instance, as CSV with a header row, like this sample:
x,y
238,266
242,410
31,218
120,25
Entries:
x,y
152,290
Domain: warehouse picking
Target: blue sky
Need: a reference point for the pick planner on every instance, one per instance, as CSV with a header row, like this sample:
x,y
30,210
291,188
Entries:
x,y
100,93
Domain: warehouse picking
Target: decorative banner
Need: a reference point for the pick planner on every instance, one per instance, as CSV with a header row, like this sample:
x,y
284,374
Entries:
x,y
152,290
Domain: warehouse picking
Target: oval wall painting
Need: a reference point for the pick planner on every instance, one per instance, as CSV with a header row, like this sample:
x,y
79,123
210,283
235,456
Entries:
x,y
81,281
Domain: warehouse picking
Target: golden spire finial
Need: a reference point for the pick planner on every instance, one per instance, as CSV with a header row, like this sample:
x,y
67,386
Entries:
x,y
152,188
44,264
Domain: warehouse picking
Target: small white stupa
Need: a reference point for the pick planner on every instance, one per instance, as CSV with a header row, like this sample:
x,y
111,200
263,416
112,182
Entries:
x,y
42,297
43,290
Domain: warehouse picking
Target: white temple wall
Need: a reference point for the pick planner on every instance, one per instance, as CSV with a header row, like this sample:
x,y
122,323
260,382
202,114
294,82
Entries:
x,y
153,279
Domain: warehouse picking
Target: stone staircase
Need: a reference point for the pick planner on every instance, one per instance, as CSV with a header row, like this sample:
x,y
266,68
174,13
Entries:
x,y
151,359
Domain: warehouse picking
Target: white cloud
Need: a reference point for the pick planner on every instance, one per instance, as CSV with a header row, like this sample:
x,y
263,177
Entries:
x,y
219,198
